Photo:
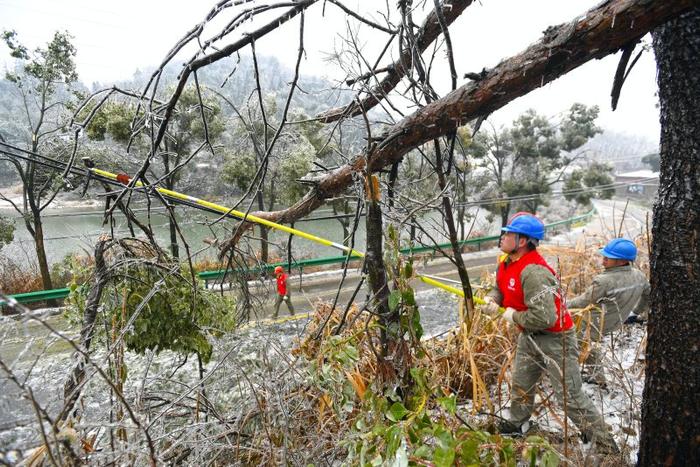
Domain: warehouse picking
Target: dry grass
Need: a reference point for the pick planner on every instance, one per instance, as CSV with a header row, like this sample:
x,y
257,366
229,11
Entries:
x,y
292,412
466,363
17,277
469,361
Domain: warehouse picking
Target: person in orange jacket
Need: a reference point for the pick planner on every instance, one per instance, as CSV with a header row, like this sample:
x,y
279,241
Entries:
x,y
283,292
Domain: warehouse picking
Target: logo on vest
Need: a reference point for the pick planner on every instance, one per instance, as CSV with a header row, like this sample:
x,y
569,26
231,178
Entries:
x,y
511,284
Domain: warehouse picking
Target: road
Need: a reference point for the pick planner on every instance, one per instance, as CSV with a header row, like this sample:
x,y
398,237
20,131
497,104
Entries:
x,y
310,288
612,218
324,286
607,221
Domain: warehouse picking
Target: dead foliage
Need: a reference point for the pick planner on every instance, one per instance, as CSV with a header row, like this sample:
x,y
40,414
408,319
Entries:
x,y
471,360
291,409
18,278
468,362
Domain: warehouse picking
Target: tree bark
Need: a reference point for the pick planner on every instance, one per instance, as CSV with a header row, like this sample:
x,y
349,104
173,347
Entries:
x,y
73,385
170,185
344,221
33,222
670,423
38,235
452,233
376,271
263,231
174,247
505,213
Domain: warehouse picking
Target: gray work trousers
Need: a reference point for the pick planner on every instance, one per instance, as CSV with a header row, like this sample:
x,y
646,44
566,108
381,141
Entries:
x,y
278,301
593,364
544,352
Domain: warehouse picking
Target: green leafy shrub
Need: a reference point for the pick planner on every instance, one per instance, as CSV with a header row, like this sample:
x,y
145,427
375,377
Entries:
x,y
160,307
72,268
418,424
423,428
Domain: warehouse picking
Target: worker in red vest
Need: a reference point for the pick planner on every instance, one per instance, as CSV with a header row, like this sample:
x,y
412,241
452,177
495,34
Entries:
x,y
528,289
283,292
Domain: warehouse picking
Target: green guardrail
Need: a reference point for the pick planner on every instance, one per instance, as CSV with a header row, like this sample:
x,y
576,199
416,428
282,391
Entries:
x,y
40,296
206,276
219,273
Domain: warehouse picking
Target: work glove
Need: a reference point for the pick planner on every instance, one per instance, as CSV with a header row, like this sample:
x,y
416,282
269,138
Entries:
x,y
508,315
286,298
490,307
634,319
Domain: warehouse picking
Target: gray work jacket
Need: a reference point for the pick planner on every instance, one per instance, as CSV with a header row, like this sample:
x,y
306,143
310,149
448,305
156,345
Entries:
x,y
617,292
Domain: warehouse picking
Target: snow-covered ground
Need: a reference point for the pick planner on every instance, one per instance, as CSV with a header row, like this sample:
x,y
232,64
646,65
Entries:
x,y
620,402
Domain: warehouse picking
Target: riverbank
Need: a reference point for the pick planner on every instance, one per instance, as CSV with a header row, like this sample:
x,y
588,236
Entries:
x,y
63,201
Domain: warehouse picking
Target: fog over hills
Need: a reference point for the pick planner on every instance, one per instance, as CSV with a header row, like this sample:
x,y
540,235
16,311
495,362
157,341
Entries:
x,y
623,151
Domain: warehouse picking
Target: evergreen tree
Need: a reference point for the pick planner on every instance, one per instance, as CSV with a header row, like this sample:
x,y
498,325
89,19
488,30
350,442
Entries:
x,y
524,161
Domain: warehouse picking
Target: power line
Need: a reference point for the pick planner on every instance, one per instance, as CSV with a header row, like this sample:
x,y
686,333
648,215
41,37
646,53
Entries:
x,y
610,186
58,165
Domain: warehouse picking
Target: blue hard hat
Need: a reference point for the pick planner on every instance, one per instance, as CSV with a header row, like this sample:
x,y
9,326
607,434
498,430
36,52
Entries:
x,y
620,248
525,224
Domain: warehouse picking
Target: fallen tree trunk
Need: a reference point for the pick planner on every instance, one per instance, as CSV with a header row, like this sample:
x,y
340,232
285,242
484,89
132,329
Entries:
x,y
601,32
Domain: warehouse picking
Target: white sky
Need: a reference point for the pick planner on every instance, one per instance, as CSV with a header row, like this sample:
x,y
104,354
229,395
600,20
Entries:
x,y
114,38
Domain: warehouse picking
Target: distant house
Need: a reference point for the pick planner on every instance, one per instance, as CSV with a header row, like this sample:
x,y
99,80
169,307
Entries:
x,y
641,184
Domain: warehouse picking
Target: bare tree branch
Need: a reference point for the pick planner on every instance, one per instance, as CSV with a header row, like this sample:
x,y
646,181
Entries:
x,y
361,18
428,32
602,31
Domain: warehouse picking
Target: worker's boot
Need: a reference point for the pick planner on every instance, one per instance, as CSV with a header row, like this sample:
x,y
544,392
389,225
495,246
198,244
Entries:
x,y
508,428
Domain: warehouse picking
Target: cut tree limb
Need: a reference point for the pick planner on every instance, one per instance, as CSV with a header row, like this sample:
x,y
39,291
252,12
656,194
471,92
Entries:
x,y
600,32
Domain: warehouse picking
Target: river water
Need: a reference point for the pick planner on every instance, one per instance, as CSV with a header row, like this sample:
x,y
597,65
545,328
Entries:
x,y
75,230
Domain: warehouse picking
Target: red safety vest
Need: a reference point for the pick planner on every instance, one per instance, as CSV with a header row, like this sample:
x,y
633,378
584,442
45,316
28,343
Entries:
x,y
508,281
282,284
